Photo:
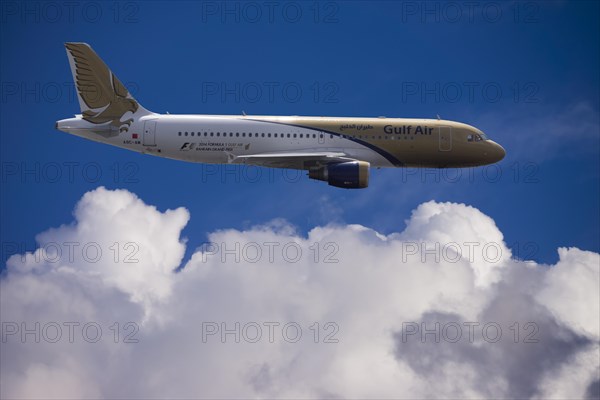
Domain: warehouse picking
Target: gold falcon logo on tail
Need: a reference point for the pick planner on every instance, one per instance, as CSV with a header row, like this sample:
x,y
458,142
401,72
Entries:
x,y
102,97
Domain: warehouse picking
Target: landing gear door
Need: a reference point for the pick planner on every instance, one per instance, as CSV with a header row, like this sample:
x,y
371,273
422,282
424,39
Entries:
x,y
445,141
150,133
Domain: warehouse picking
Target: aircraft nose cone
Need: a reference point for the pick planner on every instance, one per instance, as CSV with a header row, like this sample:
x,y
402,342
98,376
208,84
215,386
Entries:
x,y
499,152
495,152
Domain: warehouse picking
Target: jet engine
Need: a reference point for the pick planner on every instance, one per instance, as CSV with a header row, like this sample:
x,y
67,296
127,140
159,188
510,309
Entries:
x,y
349,175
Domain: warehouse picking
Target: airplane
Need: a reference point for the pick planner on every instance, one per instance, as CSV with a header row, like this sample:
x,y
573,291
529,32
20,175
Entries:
x,y
338,150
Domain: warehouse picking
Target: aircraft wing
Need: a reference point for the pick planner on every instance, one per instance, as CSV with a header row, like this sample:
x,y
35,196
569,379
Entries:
x,y
292,160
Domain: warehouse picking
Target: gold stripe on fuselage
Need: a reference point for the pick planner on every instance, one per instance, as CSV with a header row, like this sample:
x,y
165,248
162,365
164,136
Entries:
x,y
404,142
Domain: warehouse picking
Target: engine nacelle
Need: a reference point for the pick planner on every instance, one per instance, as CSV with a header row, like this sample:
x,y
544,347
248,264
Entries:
x,y
349,175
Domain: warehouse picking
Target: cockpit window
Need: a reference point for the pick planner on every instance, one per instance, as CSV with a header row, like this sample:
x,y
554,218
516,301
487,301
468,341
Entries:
x,y
474,138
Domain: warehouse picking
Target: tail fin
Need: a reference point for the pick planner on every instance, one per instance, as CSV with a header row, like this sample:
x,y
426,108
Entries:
x,y
102,97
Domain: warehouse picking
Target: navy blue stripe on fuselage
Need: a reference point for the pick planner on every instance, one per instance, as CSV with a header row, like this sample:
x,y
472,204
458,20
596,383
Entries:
x,y
378,150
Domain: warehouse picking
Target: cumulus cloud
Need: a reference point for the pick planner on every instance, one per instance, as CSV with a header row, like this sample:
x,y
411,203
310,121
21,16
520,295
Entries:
x,y
440,308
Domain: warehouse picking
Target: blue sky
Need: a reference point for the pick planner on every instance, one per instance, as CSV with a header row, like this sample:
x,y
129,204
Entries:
x,y
524,73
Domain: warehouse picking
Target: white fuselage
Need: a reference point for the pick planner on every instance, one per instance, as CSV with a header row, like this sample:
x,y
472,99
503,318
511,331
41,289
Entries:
x,y
220,138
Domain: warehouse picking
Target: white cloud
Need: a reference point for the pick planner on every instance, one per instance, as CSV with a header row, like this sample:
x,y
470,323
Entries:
x,y
370,287
567,291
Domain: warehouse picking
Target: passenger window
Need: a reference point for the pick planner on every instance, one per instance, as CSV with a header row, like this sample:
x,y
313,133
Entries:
x,y
186,134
